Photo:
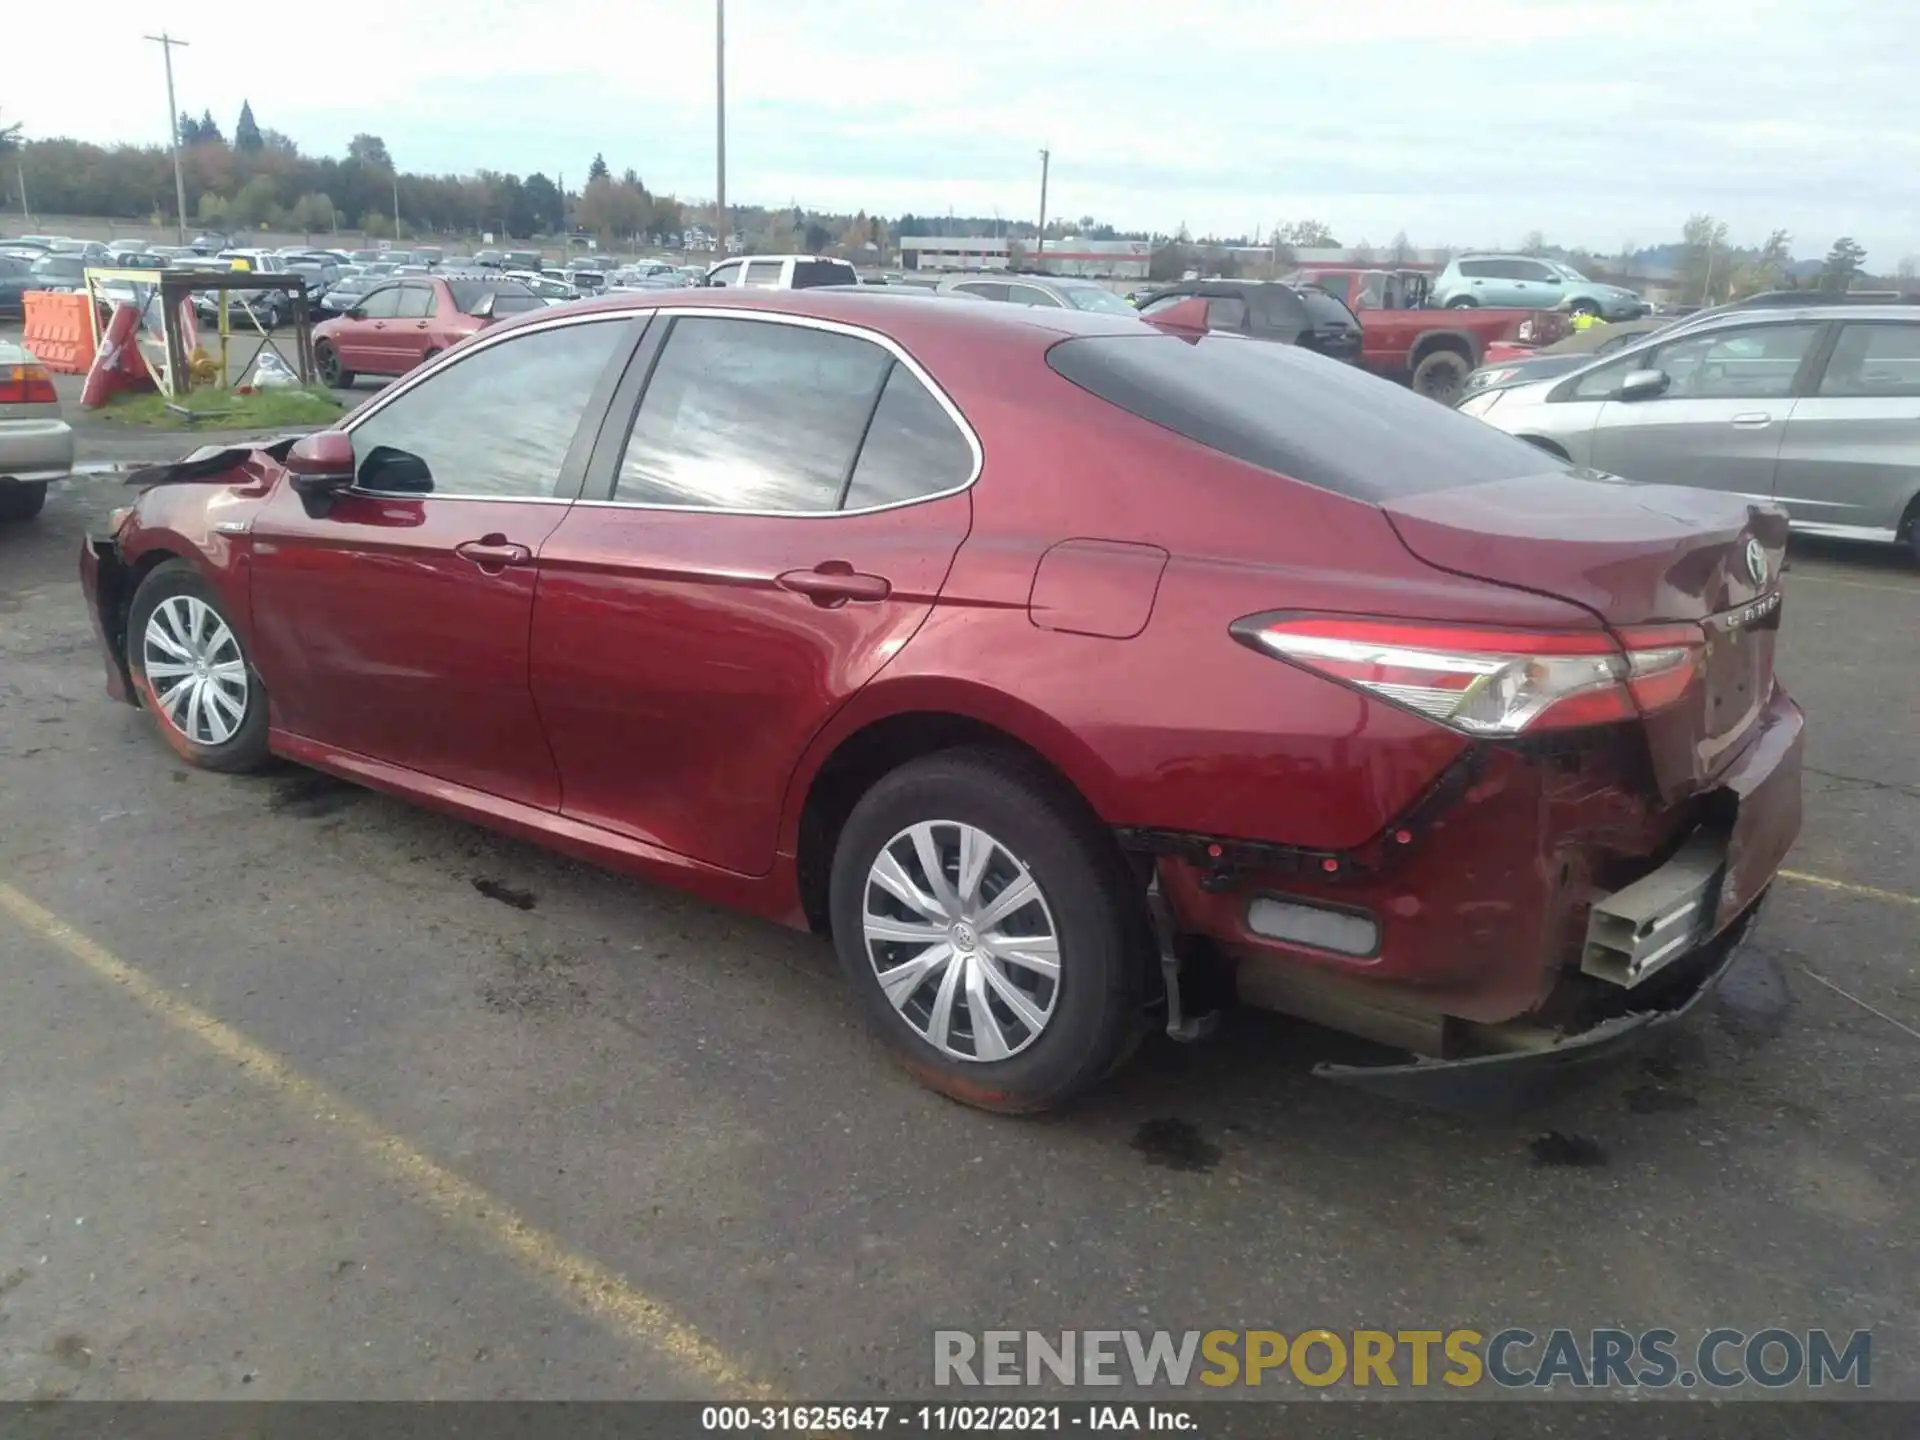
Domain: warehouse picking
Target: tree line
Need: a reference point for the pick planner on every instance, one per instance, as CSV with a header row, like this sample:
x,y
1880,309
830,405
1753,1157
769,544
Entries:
x,y
261,178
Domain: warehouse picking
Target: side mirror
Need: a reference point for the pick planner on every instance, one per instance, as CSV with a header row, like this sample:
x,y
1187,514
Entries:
x,y
356,313
319,467
1645,384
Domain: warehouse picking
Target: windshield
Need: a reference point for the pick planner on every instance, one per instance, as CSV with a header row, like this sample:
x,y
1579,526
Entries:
x,y
1096,298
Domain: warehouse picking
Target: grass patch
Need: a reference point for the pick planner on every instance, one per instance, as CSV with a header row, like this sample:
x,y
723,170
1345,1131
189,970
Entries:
x,y
211,409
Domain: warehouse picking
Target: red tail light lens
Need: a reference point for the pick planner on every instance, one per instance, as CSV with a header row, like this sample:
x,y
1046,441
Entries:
x,y
26,385
1489,681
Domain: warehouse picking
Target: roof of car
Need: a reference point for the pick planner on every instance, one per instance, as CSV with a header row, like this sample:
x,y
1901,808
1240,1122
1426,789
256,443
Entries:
x,y
1797,315
866,305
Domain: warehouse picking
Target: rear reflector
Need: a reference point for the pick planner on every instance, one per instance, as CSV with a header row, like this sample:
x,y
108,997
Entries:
x,y
1341,931
1489,681
26,385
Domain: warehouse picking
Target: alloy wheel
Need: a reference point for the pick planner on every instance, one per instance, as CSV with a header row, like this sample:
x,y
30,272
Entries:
x,y
961,940
193,663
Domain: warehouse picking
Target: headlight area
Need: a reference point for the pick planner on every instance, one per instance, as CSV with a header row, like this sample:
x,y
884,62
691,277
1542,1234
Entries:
x,y
1480,402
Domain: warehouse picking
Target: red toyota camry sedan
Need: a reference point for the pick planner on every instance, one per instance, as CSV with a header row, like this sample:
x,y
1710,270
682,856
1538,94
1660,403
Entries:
x,y
1075,673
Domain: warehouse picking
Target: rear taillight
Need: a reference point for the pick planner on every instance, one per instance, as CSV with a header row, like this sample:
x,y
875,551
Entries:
x,y
26,385
1489,681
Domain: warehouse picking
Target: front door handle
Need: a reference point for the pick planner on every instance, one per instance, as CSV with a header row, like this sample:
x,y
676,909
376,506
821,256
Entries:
x,y
493,553
1753,420
832,583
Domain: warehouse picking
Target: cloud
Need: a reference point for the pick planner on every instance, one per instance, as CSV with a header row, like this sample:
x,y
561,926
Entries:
x,y
1469,123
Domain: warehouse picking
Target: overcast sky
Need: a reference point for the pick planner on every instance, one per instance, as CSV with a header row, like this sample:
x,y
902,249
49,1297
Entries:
x,y
1470,122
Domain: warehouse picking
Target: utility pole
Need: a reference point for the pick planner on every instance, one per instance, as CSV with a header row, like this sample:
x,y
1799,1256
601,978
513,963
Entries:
x,y
166,43
396,205
720,129
20,169
1040,248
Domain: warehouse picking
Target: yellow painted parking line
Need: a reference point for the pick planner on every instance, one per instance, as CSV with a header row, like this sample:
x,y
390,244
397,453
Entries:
x,y
1871,892
594,1288
1852,584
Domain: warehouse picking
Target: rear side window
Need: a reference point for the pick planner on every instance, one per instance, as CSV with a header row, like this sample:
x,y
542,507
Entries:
x,y
1479,269
751,415
416,302
763,273
912,449
1296,413
983,289
1875,360
808,273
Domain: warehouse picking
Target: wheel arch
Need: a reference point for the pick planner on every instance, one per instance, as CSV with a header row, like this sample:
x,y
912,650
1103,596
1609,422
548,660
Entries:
x,y
1463,342
888,726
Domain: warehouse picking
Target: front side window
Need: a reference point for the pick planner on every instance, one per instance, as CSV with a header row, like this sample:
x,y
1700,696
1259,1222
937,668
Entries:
x,y
1875,360
381,304
1227,312
751,415
1757,363
726,275
495,425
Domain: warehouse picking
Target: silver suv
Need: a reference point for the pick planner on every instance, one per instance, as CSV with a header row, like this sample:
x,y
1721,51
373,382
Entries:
x,y
1816,408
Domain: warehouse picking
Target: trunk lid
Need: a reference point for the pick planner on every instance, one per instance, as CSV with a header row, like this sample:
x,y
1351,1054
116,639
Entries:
x,y
1633,555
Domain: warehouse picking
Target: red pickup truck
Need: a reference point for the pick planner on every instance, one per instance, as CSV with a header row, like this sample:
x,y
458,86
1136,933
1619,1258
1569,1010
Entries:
x,y
1433,351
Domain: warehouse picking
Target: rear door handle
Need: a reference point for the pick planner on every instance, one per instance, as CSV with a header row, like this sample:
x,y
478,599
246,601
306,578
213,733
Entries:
x,y
493,553
1753,420
833,583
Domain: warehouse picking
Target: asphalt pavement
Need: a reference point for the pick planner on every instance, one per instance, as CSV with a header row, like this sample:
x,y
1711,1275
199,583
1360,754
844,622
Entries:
x,y
305,1092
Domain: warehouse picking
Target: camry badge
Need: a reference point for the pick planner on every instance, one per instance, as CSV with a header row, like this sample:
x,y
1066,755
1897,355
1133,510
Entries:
x,y
1756,561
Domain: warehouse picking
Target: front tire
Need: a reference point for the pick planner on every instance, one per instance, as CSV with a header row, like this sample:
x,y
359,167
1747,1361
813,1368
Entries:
x,y
333,375
21,500
991,929
1585,307
193,676
1462,302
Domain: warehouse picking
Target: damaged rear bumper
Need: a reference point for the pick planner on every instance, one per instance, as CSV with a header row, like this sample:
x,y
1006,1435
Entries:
x,y
1514,1081
103,580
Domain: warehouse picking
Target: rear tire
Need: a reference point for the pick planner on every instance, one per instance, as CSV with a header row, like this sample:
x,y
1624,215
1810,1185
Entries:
x,y
326,361
1046,1037
21,500
180,637
1441,376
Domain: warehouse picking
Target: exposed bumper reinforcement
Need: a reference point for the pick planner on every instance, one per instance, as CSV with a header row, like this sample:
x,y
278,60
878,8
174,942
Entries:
x,y
1506,1083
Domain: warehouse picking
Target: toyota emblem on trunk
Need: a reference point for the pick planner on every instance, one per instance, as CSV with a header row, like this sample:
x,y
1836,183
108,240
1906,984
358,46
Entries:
x,y
1756,561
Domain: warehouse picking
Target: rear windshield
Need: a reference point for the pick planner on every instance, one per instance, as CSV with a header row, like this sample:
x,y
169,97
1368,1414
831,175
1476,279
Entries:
x,y
510,297
1296,413
808,273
